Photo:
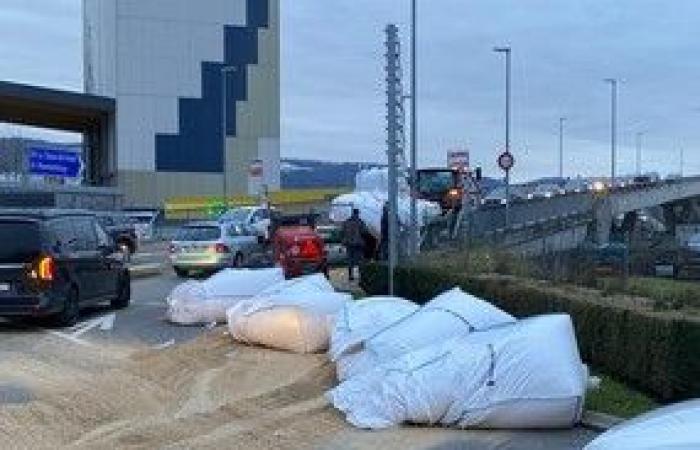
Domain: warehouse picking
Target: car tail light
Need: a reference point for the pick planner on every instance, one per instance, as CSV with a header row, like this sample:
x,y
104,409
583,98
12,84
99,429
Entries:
x,y
309,250
46,269
220,248
453,193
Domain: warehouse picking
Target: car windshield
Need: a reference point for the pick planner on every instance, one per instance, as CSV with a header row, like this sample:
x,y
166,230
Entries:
x,y
20,240
435,182
198,233
236,215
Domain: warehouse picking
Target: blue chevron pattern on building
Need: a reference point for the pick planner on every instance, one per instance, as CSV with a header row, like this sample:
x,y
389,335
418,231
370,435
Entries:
x,y
198,145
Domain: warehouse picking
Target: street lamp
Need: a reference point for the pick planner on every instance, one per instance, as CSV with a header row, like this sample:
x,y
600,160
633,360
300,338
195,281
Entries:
x,y
638,164
225,70
414,133
506,52
561,147
613,127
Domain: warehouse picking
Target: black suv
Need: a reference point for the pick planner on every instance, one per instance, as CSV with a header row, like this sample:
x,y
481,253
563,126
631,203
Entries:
x,y
54,262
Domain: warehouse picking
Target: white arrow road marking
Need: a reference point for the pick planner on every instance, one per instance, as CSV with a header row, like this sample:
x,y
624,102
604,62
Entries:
x,y
108,322
70,337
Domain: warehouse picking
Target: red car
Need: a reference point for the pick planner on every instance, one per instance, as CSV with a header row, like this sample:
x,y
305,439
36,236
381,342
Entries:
x,y
297,247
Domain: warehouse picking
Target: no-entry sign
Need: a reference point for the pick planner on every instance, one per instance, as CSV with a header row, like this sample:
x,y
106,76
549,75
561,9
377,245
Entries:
x,y
506,161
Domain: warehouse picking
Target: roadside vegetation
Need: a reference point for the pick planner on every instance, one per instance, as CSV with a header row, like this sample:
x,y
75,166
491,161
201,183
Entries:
x,y
617,399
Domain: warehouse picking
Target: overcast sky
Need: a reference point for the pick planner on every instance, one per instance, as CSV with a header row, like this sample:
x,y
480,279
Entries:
x,y
333,91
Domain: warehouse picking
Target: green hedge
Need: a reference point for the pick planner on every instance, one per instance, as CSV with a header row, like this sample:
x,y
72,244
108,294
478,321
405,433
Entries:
x,y
655,352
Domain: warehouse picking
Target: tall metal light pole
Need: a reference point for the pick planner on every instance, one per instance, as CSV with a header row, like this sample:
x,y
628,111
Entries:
x,y
413,247
682,161
506,52
561,147
613,128
638,144
225,70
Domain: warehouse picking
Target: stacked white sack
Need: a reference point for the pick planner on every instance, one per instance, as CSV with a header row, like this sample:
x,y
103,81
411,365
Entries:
x,y
296,315
199,302
449,315
527,375
362,319
370,195
672,427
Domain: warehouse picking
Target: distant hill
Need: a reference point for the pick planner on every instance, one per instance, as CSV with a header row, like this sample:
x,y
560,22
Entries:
x,y
309,174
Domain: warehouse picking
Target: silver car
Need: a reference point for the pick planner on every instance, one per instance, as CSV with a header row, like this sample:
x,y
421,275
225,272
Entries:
x,y
211,246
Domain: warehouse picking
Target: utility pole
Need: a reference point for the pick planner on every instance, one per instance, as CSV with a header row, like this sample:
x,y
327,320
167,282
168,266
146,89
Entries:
x,y
395,141
225,70
414,247
613,128
561,147
506,51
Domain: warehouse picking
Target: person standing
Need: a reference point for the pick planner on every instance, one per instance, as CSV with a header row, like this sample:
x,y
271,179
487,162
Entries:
x,y
384,238
354,231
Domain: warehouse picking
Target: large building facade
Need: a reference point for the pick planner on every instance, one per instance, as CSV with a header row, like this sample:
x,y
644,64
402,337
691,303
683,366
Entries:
x,y
163,60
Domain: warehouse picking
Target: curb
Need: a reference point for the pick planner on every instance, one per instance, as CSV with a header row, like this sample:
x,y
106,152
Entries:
x,y
145,271
598,421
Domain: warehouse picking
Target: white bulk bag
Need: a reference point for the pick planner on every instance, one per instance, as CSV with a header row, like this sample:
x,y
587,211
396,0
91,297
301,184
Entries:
x,y
297,322
371,204
451,314
527,375
198,302
672,427
362,319
301,285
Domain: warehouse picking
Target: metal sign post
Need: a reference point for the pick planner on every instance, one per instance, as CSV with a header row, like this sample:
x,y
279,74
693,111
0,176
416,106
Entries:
x,y
506,163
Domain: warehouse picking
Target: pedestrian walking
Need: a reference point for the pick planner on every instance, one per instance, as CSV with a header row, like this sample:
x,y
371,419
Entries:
x,y
354,231
384,238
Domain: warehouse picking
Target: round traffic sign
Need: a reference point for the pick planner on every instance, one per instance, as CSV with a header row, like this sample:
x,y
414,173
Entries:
x,y
506,161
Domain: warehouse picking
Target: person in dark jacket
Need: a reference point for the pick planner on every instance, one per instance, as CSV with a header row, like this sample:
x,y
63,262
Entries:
x,y
384,238
354,231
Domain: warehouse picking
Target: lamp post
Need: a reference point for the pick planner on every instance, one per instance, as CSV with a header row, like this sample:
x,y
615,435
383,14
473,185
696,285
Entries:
x,y
413,247
506,51
225,70
638,144
613,127
561,147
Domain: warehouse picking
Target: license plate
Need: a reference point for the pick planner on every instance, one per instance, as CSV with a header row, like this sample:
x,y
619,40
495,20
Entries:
x,y
4,287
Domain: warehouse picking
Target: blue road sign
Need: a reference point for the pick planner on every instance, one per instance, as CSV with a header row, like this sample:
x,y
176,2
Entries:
x,y
51,161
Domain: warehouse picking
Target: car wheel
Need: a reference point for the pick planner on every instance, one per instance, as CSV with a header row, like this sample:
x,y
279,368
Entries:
x,y
238,261
181,273
71,310
123,293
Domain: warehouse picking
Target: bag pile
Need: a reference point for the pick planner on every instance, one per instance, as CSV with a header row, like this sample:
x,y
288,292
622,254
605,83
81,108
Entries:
x,y
202,302
526,375
296,315
456,361
370,195
449,315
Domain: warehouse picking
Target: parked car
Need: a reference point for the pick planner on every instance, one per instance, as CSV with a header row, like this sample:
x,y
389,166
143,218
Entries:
x,y
297,247
257,217
121,230
144,222
211,246
54,262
